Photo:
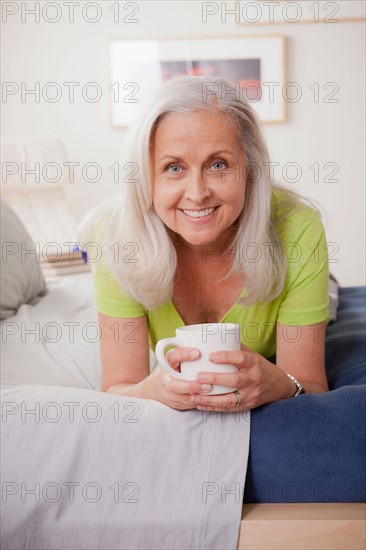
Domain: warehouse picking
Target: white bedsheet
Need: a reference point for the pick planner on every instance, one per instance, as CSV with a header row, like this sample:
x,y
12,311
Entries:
x,y
52,343
84,469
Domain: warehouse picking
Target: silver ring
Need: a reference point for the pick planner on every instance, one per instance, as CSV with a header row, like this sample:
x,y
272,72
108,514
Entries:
x,y
239,398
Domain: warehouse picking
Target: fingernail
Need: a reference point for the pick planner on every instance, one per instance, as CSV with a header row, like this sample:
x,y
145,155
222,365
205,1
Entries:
x,y
193,353
205,387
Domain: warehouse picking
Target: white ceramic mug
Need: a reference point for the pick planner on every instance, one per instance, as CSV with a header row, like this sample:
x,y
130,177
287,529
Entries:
x,y
206,337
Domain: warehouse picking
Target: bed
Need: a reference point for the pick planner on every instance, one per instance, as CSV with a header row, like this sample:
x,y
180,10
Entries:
x,y
84,469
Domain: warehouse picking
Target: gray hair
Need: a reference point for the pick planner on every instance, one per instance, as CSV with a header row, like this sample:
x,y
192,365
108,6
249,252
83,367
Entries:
x,y
131,219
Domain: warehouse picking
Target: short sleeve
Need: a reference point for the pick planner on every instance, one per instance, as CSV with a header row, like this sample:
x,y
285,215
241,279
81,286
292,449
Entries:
x,y
109,297
306,299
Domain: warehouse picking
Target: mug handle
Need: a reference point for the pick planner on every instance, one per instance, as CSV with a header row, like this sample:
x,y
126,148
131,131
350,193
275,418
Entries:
x,y
159,351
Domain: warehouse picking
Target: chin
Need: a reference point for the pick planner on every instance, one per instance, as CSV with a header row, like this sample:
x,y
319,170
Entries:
x,y
195,240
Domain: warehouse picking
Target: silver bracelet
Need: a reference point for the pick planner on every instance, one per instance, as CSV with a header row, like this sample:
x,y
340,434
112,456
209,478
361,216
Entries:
x,y
300,388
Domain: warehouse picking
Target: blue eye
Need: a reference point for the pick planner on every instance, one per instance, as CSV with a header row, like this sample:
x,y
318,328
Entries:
x,y
173,168
218,165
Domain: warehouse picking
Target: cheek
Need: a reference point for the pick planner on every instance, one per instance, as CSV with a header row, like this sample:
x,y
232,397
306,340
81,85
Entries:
x,y
234,194
164,198
165,193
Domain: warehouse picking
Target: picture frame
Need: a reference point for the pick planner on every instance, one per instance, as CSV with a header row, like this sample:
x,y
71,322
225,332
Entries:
x,y
256,64
261,12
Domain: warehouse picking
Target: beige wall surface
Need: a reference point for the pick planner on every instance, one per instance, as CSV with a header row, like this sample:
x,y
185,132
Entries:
x,y
323,56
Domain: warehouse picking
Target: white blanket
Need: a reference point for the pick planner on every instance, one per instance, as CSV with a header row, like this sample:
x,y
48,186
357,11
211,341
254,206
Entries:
x,y
89,470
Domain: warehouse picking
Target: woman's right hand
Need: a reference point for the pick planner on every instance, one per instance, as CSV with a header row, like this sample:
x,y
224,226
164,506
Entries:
x,y
169,390
126,360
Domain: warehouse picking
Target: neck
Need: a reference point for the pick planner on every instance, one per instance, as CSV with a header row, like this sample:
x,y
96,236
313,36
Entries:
x,y
209,254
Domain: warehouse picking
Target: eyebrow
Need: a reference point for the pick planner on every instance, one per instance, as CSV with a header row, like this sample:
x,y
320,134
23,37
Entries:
x,y
179,158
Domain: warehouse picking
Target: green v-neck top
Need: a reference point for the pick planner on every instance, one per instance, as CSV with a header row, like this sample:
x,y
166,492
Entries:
x,y
303,300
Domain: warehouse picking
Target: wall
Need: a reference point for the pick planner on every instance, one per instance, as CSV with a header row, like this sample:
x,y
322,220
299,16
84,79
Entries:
x,y
314,131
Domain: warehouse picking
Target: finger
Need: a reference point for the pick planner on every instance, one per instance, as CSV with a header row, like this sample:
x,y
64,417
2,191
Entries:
x,y
241,359
230,379
185,387
182,386
244,348
178,355
226,403
222,403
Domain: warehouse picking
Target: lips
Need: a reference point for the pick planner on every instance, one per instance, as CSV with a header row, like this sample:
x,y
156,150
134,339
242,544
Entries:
x,y
199,213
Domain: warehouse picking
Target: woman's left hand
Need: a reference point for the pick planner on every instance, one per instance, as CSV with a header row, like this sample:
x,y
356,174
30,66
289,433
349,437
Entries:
x,y
258,381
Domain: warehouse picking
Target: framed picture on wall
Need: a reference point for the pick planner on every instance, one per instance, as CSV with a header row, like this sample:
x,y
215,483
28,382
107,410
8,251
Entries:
x,y
255,64
271,12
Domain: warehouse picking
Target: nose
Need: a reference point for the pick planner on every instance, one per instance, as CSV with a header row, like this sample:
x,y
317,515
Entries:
x,y
197,189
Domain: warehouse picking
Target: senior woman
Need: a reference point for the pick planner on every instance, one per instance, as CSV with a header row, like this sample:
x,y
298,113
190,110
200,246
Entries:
x,y
201,235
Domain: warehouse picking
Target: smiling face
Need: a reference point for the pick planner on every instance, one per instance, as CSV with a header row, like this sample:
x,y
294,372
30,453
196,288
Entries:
x,y
198,177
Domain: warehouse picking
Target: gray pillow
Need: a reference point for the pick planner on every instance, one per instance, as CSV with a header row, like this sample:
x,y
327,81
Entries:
x,y
21,278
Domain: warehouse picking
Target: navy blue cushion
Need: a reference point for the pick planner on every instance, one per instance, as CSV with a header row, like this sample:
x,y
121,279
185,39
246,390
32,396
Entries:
x,y
345,343
312,448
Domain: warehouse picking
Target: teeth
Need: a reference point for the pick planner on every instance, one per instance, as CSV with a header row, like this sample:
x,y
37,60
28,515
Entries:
x,y
200,213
